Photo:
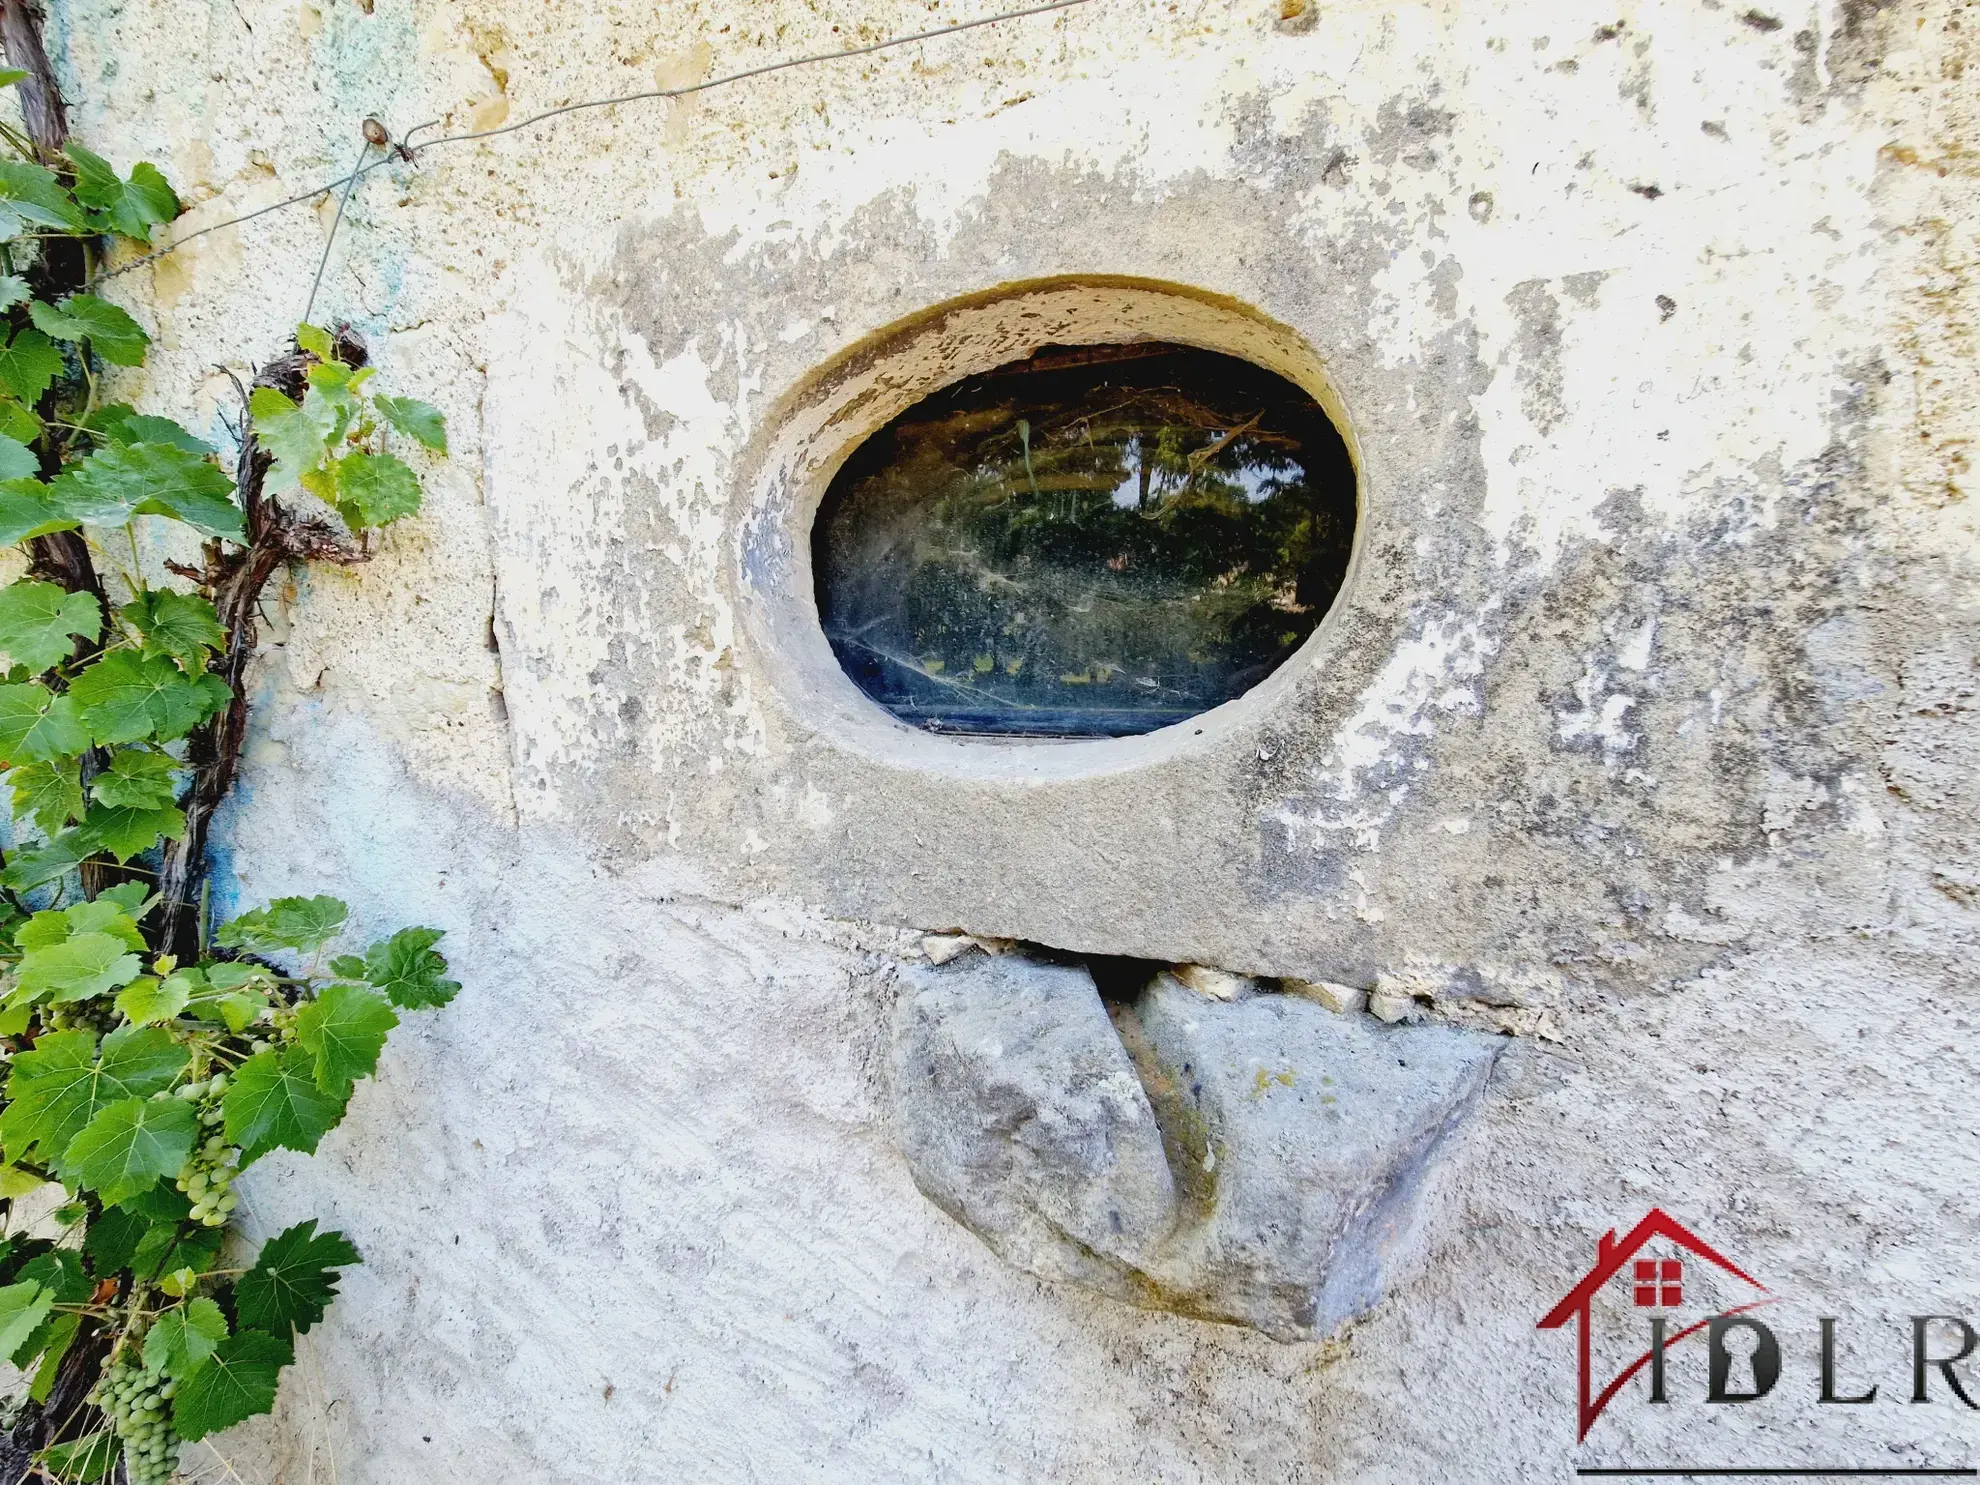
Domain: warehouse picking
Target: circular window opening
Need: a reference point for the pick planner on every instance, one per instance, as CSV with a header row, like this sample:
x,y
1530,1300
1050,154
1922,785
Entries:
x,y
1095,541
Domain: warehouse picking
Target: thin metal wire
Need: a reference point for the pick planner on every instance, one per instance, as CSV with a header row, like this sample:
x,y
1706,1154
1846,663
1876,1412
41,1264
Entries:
x,y
331,241
260,211
650,95
734,77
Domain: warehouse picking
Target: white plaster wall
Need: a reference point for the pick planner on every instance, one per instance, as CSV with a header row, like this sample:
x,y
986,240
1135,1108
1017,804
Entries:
x,y
629,1207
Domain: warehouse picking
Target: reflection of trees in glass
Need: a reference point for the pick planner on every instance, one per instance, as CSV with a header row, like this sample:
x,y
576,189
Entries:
x,y
1088,548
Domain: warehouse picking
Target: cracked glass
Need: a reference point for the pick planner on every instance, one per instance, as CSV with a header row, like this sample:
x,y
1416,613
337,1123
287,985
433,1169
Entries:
x,y
1092,542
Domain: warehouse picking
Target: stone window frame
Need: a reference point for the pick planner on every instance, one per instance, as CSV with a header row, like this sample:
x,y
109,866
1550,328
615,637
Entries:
x,y
818,424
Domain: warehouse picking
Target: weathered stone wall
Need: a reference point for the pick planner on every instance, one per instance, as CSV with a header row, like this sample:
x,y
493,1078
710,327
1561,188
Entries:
x,y
1651,696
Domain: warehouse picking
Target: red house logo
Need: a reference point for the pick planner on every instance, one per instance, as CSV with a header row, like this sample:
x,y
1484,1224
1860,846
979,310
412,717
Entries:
x,y
1655,1283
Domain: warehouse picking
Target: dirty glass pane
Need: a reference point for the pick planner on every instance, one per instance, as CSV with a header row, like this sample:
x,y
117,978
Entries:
x,y
1092,542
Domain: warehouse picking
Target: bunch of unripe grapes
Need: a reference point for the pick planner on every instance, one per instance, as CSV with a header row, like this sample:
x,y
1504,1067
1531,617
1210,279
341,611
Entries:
x,y
81,1016
137,1403
208,1174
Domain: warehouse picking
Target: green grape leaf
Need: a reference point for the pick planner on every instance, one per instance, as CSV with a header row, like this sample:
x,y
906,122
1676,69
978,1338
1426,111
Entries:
x,y
126,697
332,402
150,1001
53,1342
45,929
160,1206
59,1086
415,419
138,780
317,341
229,975
133,897
60,1272
334,382
182,625
375,489
167,1247
28,362
132,207
405,967
116,337
350,966
168,997
36,866
109,420
126,832
107,914
236,1012
182,1339
13,290
11,75
51,792
19,423
286,923
52,1093
144,428
86,1460
231,993
294,1279
35,195
112,1238
121,423
50,1339
321,482
273,1103
51,322
39,622
344,1028
238,1382
297,441
37,725
87,965
130,1146
147,479
17,460
142,1062
23,1307
28,509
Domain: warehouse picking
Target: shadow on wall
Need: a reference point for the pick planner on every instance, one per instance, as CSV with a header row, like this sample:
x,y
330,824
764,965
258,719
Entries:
x,y
1256,1160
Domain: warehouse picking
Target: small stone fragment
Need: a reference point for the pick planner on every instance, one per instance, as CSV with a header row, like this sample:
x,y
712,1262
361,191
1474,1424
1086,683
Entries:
x,y
1425,981
1386,1005
1021,1116
1218,984
942,947
1340,999
1301,1140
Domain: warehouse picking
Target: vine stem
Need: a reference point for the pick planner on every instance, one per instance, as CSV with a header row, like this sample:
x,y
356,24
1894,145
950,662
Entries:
x,y
42,110
234,580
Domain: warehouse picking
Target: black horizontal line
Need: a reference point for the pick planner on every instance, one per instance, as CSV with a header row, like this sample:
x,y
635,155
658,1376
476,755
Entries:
x,y
1880,1471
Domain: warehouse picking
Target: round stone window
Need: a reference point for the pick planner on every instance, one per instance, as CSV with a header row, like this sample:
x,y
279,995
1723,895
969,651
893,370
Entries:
x,y
1095,541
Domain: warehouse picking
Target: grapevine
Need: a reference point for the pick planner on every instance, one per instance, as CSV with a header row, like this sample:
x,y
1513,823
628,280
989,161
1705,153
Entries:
x,y
147,1056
